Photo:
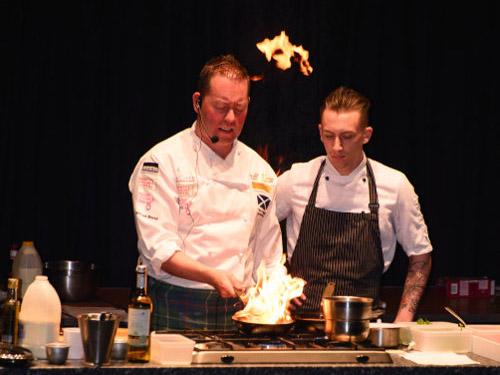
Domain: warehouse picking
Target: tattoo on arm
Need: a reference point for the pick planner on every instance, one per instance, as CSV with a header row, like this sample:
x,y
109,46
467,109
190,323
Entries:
x,y
419,268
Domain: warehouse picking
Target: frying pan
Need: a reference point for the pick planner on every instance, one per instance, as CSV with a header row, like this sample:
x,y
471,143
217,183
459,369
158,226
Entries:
x,y
249,328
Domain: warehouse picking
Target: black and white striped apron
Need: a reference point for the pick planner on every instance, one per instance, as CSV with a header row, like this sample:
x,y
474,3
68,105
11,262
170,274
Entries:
x,y
342,247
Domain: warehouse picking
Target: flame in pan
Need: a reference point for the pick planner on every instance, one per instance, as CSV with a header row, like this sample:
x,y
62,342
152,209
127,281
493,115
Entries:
x,y
282,51
267,302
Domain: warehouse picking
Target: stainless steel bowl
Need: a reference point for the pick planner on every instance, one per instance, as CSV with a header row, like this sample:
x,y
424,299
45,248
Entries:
x,y
74,280
385,335
57,353
119,351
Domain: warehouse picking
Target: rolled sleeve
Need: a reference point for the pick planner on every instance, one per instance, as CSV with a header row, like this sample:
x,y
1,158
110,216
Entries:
x,y
411,229
156,212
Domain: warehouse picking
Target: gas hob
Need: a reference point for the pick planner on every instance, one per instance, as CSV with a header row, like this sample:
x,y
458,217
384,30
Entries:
x,y
232,347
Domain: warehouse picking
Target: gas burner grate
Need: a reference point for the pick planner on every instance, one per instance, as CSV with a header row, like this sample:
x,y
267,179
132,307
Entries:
x,y
212,345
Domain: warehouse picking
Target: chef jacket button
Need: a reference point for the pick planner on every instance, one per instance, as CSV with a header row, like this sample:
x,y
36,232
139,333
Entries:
x,y
327,178
364,179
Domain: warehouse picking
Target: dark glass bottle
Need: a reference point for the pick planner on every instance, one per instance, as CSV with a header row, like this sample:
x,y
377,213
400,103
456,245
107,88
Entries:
x,y
140,308
9,318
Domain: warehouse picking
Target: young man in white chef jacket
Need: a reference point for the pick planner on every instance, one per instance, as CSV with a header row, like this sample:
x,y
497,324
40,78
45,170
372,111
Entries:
x,y
345,213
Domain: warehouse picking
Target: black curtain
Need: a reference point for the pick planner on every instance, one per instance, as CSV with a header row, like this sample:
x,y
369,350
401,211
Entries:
x,y
88,86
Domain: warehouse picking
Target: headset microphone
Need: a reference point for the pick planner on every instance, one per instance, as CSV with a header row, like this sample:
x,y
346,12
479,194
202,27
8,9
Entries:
x,y
213,138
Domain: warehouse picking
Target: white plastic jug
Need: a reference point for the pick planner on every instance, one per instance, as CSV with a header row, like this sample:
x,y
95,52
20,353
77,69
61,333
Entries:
x,y
27,264
40,317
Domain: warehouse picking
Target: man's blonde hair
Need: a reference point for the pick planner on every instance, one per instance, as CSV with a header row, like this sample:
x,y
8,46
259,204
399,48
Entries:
x,y
344,99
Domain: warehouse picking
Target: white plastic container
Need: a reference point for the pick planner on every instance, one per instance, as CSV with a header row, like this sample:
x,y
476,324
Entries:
x,y
405,331
442,339
487,345
484,328
73,338
40,317
27,265
171,349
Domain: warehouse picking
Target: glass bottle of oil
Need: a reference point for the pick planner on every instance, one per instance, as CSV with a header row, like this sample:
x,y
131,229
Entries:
x,y
140,308
9,318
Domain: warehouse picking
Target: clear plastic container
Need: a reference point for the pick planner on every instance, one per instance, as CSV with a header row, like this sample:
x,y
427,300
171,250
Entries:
x,y
484,328
487,345
27,265
442,339
171,349
40,317
405,332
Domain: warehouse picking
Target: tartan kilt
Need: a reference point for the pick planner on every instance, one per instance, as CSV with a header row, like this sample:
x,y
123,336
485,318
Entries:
x,y
178,308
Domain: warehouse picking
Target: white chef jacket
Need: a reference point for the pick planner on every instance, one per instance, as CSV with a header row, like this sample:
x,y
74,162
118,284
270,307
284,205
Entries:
x,y
399,215
220,212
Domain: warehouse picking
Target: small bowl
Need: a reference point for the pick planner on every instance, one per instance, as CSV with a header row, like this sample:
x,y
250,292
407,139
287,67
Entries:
x,y
120,349
57,353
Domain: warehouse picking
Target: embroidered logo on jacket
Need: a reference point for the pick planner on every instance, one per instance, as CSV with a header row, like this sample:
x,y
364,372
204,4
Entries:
x,y
187,189
149,167
263,202
263,185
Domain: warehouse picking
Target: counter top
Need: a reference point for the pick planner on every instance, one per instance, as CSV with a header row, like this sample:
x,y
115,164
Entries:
x,y
399,366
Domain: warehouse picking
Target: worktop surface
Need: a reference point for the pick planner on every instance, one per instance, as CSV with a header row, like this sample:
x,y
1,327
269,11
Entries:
x,y
399,366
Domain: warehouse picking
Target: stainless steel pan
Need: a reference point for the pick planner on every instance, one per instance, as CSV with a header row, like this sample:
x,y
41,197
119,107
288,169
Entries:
x,y
250,328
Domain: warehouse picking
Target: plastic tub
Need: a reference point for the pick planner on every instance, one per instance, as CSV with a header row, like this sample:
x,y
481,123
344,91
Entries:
x,y
171,349
484,328
487,345
442,339
405,331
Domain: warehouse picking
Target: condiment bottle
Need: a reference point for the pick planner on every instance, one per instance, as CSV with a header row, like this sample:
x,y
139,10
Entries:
x,y
139,319
40,316
26,266
9,314
14,249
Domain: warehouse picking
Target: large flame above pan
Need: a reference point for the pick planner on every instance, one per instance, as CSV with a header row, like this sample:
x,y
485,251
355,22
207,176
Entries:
x,y
267,302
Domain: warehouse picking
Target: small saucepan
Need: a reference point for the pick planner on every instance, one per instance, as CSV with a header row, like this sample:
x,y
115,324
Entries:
x,y
347,318
384,335
348,312
247,327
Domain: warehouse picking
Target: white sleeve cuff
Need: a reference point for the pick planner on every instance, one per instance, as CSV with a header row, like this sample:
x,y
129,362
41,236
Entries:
x,y
162,255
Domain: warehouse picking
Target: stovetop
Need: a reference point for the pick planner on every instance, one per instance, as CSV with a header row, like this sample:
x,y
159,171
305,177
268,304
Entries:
x,y
233,347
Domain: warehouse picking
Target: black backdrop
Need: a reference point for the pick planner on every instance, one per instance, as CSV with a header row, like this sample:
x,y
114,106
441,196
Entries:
x,y
88,86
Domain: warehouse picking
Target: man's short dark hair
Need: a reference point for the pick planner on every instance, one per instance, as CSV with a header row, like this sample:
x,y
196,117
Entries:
x,y
226,65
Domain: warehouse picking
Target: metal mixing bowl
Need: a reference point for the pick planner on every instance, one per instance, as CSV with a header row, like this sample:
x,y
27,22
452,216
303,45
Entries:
x,y
119,351
57,353
74,280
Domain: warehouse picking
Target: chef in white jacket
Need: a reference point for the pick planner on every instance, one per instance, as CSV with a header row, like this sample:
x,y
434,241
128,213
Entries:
x,y
204,208
345,213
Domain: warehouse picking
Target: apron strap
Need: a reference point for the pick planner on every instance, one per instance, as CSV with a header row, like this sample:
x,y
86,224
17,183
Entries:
x,y
312,197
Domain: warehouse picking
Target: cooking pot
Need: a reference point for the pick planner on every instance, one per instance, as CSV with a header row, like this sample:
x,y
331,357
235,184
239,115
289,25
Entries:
x,y
73,280
347,307
385,335
315,322
347,318
250,328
